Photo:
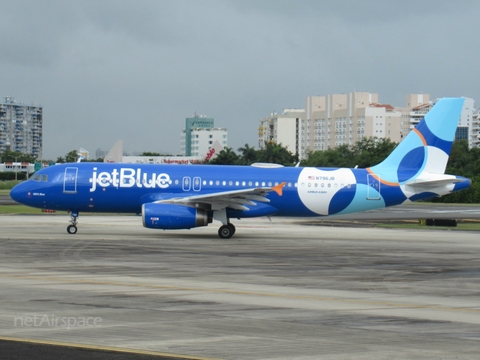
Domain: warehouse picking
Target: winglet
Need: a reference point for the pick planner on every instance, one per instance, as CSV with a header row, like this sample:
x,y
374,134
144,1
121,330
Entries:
x,y
279,188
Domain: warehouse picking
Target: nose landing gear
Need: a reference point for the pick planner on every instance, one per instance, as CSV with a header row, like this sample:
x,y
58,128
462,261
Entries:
x,y
72,229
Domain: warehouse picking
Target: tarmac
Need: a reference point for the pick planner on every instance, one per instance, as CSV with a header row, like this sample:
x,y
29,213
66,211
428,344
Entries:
x,y
276,290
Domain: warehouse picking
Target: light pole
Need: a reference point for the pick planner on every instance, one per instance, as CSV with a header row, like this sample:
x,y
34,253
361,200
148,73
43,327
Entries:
x,y
16,168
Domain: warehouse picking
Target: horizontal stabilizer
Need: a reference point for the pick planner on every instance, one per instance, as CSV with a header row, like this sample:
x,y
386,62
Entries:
x,y
435,181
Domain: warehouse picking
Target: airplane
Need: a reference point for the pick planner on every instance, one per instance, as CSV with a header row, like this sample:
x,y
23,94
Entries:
x,y
189,196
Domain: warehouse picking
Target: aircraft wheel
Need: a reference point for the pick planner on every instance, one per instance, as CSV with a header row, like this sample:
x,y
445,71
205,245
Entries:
x,y
226,231
71,229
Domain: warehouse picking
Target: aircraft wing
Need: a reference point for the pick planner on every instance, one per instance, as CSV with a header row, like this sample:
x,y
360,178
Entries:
x,y
235,199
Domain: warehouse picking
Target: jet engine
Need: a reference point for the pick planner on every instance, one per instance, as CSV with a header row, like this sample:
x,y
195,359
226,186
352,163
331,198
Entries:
x,y
172,216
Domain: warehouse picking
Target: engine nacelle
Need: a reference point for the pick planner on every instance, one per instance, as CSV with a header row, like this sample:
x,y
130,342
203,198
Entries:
x,y
171,216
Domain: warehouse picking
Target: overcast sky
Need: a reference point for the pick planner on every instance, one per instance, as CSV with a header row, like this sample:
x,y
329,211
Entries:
x,y
105,70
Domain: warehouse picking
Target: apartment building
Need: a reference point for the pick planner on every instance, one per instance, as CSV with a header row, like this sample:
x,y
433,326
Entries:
x,y
282,129
343,119
21,127
332,120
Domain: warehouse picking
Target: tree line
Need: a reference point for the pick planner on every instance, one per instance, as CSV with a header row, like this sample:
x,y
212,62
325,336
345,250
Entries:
x,y
464,162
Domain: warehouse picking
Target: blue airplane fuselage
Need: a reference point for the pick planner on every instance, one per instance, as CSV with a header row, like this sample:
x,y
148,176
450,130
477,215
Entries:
x,y
187,196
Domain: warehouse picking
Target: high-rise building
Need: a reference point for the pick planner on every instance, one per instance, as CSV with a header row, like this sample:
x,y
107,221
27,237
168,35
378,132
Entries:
x,y
21,127
466,124
195,122
476,129
339,119
200,136
282,129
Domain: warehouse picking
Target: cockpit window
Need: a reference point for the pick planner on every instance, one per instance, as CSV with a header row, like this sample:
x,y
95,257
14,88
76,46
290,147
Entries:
x,y
37,177
44,178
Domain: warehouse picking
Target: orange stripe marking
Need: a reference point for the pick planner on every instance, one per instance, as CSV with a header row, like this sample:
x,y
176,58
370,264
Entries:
x,y
420,136
381,180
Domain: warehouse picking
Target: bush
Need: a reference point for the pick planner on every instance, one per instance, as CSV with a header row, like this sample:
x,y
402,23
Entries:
x,y
10,175
8,185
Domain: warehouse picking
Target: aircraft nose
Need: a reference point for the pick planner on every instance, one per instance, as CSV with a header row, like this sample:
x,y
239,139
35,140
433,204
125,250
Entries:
x,y
19,193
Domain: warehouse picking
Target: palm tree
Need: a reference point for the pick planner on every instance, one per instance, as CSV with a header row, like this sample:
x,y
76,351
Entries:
x,y
276,153
249,154
225,157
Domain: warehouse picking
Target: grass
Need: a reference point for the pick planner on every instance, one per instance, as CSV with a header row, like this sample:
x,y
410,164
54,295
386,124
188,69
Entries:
x,y
466,226
26,210
7,185
21,209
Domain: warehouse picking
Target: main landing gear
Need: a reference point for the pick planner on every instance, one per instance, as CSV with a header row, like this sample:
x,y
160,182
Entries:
x,y
72,229
227,230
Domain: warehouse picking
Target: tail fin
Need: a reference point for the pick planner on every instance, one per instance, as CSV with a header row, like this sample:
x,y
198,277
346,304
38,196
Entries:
x,y
426,148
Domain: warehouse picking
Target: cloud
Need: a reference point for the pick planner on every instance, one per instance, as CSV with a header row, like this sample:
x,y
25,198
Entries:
x,y
108,70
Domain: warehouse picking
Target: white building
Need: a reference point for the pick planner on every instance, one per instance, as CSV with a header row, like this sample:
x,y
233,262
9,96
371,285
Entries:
x,y
476,129
21,127
332,120
203,140
343,119
282,129
466,125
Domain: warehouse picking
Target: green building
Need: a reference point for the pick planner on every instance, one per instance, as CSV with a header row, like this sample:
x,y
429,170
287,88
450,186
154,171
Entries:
x,y
195,122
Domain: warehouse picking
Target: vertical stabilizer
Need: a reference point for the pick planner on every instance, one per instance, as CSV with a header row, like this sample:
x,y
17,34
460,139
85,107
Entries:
x,y
115,154
426,148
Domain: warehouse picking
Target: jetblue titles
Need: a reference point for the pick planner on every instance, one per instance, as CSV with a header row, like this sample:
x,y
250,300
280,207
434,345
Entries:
x,y
128,177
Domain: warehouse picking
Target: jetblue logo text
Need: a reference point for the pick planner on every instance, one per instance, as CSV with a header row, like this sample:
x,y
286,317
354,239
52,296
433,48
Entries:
x,y
127,178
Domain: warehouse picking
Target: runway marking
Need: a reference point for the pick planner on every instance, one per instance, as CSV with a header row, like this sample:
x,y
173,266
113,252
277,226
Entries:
x,y
238,292
105,348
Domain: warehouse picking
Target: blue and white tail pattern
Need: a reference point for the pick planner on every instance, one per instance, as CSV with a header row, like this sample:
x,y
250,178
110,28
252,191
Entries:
x,y
426,148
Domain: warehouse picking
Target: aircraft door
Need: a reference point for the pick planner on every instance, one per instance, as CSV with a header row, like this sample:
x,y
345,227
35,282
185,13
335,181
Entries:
x,y
186,183
70,180
373,190
197,184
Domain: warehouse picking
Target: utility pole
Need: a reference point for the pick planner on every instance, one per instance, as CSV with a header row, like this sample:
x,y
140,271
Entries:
x,y
15,164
